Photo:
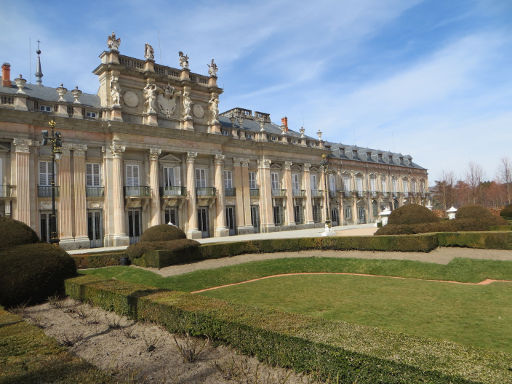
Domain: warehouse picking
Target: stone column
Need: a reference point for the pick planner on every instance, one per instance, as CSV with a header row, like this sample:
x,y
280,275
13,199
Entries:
x,y
80,206
154,185
22,180
220,217
65,203
267,217
307,187
192,232
244,201
325,194
290,219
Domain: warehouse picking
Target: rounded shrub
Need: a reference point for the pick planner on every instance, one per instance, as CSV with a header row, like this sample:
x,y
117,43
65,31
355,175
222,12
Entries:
x,y
476,218
506,212
163,232
473,212
412,214
30,273
15,232
135,251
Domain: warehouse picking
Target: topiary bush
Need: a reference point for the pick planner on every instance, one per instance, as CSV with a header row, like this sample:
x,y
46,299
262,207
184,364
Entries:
x,y
412,214
473,212
506,212
135,251
30,273
163,232
15,232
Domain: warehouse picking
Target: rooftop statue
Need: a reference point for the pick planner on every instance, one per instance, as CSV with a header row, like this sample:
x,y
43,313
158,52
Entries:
x,y
183,60
113,43
212,69
149,53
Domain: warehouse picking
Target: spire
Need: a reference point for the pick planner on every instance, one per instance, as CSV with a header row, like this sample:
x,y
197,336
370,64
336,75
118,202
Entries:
x,y
39,72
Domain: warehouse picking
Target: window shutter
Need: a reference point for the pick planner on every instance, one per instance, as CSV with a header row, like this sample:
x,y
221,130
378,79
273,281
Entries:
x,y
43,173
96,180
89,177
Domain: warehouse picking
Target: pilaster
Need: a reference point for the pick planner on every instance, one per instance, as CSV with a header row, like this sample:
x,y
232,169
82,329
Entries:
x,y
154,153
325,194
243,198
80,199
220,219
22,180
267,217
65,203
192,232
290,220
307,186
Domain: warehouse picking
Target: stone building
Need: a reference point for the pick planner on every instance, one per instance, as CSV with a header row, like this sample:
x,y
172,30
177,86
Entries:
x,y
151,147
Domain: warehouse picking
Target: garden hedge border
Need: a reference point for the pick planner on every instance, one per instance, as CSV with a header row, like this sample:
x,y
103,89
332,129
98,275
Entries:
x,y
97,260
306,344
481,240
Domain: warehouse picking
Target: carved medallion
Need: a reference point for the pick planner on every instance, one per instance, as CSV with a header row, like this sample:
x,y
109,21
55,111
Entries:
x,y
131,99
198,111
166,105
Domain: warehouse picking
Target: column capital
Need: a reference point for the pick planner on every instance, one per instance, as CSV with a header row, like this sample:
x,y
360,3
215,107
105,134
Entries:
x,y
116,150
191,156
288,165
240,161
219,159
264,163
79,149
22,145
307,167
154,153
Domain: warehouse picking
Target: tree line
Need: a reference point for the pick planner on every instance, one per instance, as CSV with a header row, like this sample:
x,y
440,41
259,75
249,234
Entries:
x,y
473,189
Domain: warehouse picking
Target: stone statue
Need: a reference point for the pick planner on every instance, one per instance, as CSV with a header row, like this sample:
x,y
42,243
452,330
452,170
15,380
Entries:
x,y
212,69
166,101
115,91
187,104
214,108
149,53
150,93
113,43
183,60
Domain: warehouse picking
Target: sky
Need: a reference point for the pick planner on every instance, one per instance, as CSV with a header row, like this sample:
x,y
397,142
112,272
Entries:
x,y
430,78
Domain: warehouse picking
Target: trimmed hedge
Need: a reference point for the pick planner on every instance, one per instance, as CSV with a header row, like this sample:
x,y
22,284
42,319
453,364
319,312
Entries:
x,y
412,214
30,273
15,232
506,212
351,352
159,254
482,240
97,260
464,224
163,232
27,355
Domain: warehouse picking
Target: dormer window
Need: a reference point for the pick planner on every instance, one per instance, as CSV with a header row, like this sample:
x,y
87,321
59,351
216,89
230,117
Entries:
x,y
369,156
45,108
354,153
248,136
273,138
225,133
90,115
380,157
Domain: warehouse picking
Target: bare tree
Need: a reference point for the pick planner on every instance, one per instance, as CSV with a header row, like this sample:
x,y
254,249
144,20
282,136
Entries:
x,y
506,176
445,189
474,177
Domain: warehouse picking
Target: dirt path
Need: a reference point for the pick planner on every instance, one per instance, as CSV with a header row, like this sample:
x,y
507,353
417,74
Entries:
x,y
483,282
438,255
146,353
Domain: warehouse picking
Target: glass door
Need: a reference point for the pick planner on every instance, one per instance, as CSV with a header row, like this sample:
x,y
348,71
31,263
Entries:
x,y
134,224
94,228
230,220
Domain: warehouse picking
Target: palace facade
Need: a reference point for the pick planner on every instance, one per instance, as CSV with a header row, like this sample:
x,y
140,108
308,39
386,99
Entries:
x,y
151,147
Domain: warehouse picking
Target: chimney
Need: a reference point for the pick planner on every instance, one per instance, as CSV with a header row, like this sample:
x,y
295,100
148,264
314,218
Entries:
x,y
284,123
6,75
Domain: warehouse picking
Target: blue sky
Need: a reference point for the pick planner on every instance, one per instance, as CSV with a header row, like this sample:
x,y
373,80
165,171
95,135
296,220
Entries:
x,y
432,79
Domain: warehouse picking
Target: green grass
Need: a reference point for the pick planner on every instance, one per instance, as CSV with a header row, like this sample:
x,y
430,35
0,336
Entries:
x,y
465,270
480,316
27,355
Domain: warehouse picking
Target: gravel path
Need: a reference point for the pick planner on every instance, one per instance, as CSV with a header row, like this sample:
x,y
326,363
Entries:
x,y
439,256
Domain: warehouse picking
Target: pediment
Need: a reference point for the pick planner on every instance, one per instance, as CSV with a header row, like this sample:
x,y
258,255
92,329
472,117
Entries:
x,y
170,158
275,166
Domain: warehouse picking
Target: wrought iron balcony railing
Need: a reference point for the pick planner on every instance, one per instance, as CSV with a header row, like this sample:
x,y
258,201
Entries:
x,y
254,192
6,190
173,191
279,192
137,191
94,191
229,191
299,193
205,191
46,191
317,193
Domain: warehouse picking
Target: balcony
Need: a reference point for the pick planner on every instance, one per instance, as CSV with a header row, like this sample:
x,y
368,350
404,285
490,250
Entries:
x,y
278,192
6,191
46,191
205,191
229,192
360,193
173,191
384,194
254,192
373,194
317,193
332,194
94,191
137,191
299,193
345,193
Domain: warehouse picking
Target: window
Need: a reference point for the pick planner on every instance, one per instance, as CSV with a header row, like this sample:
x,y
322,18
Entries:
x,y
252,180
45,173
273,138
348,212
45,108
394,185
314,182
346,183
248,136
92,174
413,186
372,184
172,177
275,180
359,184
295,182
225,132
228,179
332,183
201,177
132,175
383,184
317,213
406,186
90,115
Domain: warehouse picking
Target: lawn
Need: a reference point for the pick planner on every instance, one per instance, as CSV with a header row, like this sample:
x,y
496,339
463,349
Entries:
x,y
480,316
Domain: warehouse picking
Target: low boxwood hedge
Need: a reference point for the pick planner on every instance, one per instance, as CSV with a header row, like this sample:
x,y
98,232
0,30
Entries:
x,y
351,352
97,260
482,240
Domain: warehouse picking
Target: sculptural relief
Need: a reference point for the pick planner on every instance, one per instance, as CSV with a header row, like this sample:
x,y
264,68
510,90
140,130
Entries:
x,y
166,101
187,104
115,91
198,111
214,108
149,53
183,60
113,43
212,69
150,94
